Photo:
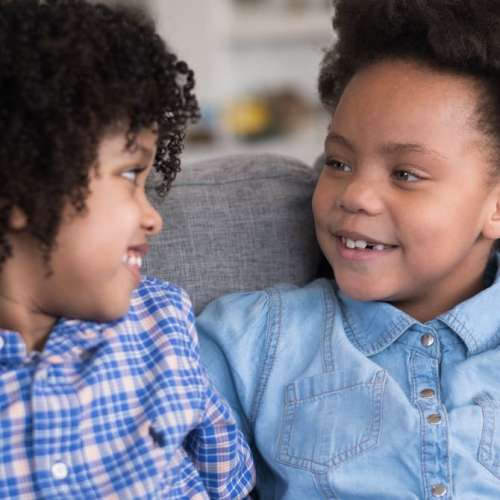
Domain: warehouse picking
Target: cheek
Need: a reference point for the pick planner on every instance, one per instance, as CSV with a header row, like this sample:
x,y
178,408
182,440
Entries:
x,y
93,239
439,229
323,201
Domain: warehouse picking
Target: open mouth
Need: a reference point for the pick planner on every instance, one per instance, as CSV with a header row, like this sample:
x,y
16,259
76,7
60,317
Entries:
x,y
133,259
364,245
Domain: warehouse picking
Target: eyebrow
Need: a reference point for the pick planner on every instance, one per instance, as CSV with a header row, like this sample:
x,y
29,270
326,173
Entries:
x,y
390,148
338,139
145,152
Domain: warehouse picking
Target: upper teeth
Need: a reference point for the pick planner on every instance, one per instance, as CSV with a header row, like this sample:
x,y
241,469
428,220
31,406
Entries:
x,y
133,260
361,244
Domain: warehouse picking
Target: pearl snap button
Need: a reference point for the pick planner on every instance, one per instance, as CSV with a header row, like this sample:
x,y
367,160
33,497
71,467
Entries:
x,y
2,343
427,393
59,471
439,490
427,340
435,418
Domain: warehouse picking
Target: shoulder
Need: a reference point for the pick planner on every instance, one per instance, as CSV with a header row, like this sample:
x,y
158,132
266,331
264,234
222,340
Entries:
x,y
243,325
160,319
161,296
241,335
157,344
254,309
161,301
318,292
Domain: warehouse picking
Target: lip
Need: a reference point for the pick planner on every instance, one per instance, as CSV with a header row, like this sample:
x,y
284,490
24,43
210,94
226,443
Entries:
x,y
141,249
353,235
136,274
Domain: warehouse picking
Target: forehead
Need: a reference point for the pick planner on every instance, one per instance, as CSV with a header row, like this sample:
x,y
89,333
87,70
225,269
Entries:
x,y
397,101
115,147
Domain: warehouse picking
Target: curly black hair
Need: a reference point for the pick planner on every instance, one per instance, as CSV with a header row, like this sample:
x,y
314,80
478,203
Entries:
x,y
69,71
461,37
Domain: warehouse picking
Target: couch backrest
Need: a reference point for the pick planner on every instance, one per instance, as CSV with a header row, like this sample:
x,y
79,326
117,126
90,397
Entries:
x,y
236,223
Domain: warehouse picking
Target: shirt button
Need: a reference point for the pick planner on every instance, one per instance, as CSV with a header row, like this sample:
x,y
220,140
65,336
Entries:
x,y
435,418
427,393
439,490
59,471
427,340
2,343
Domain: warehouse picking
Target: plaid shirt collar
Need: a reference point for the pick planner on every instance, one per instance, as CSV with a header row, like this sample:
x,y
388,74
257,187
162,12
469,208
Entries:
x,y
69,341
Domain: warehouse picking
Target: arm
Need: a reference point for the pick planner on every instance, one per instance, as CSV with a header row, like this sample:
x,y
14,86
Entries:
x,y
220,452
217,447
196,417
233,333
233,343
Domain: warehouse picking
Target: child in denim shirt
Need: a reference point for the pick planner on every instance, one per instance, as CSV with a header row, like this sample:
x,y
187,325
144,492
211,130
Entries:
x,y
102,394
385,382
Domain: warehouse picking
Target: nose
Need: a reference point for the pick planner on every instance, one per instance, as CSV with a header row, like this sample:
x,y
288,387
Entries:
x,y
151,220
361,195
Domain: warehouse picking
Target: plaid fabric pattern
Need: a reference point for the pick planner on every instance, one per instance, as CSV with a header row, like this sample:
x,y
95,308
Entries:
x,y
118,410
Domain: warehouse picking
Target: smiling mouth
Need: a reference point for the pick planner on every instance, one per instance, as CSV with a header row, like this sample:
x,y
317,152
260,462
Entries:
x,y
364,245
133,259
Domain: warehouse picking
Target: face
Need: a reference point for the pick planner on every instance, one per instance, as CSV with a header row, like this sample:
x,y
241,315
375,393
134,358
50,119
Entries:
x,y
405,209
98,254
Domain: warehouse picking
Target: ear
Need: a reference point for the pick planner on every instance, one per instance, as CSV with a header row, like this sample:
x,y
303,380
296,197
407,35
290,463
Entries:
x,y
17,219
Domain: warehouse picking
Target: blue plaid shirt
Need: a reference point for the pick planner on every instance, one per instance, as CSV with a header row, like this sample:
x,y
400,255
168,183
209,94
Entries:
x,y
118,410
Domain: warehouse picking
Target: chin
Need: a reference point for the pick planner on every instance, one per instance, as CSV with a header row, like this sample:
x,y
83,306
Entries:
x,y
111,312
365,294
116,313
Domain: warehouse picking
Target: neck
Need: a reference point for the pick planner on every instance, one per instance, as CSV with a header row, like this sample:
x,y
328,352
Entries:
x,y
34,327
426,310
19,311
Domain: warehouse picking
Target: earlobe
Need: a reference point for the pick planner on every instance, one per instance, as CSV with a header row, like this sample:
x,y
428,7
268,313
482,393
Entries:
x,y
491,229
17,219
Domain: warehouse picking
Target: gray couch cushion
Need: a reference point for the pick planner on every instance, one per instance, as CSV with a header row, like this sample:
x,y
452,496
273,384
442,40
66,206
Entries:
x,y
236,223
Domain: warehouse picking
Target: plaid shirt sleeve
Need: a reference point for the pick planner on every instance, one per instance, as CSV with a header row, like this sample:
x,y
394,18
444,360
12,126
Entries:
x,y
217,447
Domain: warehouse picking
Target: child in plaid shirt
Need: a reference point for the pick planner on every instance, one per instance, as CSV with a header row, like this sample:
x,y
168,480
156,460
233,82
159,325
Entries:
x,y
102,394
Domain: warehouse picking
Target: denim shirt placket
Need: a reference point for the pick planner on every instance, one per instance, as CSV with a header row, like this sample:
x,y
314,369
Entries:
x,y
424,375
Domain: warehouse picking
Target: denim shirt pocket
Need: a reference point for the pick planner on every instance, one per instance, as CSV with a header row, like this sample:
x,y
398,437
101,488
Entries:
x,y
489,446
329,419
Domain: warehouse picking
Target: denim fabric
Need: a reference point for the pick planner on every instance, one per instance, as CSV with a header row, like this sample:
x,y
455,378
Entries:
x,y
349,400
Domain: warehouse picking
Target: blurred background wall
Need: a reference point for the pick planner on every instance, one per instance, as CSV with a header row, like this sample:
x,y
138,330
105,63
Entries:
x,y
256,64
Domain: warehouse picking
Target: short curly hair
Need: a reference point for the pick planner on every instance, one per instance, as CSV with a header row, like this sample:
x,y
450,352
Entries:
x,y
461,37
70,70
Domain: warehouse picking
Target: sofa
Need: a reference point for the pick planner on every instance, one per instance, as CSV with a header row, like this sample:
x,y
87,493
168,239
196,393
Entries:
x,y
236,223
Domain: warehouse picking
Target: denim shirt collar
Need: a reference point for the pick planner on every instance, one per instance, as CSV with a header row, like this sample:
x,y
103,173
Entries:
x,y
374,326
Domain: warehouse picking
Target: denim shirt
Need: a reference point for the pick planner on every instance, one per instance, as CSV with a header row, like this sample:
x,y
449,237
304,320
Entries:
x,y
357,400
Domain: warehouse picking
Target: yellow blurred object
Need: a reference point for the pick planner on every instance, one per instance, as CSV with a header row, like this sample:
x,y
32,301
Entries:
x,y
249,118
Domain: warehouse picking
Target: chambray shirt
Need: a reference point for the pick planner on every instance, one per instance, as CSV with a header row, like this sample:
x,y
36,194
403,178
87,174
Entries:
x,y
357,400
118,410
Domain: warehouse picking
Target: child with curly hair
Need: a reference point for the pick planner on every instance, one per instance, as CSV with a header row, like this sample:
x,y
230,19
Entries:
x,y
102,393
384,383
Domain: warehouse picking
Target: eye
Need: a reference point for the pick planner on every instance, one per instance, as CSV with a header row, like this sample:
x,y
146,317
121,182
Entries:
x,y
337,165
405,176
133,173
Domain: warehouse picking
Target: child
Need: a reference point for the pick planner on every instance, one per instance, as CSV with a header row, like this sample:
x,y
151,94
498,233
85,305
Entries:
x,y
101,391
385,384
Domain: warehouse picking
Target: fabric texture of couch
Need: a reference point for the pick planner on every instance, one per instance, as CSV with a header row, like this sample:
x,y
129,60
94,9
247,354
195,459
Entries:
x,y
236,223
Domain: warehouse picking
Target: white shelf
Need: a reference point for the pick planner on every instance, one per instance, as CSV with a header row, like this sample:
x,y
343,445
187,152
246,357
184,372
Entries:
x,y
251,26
306,144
